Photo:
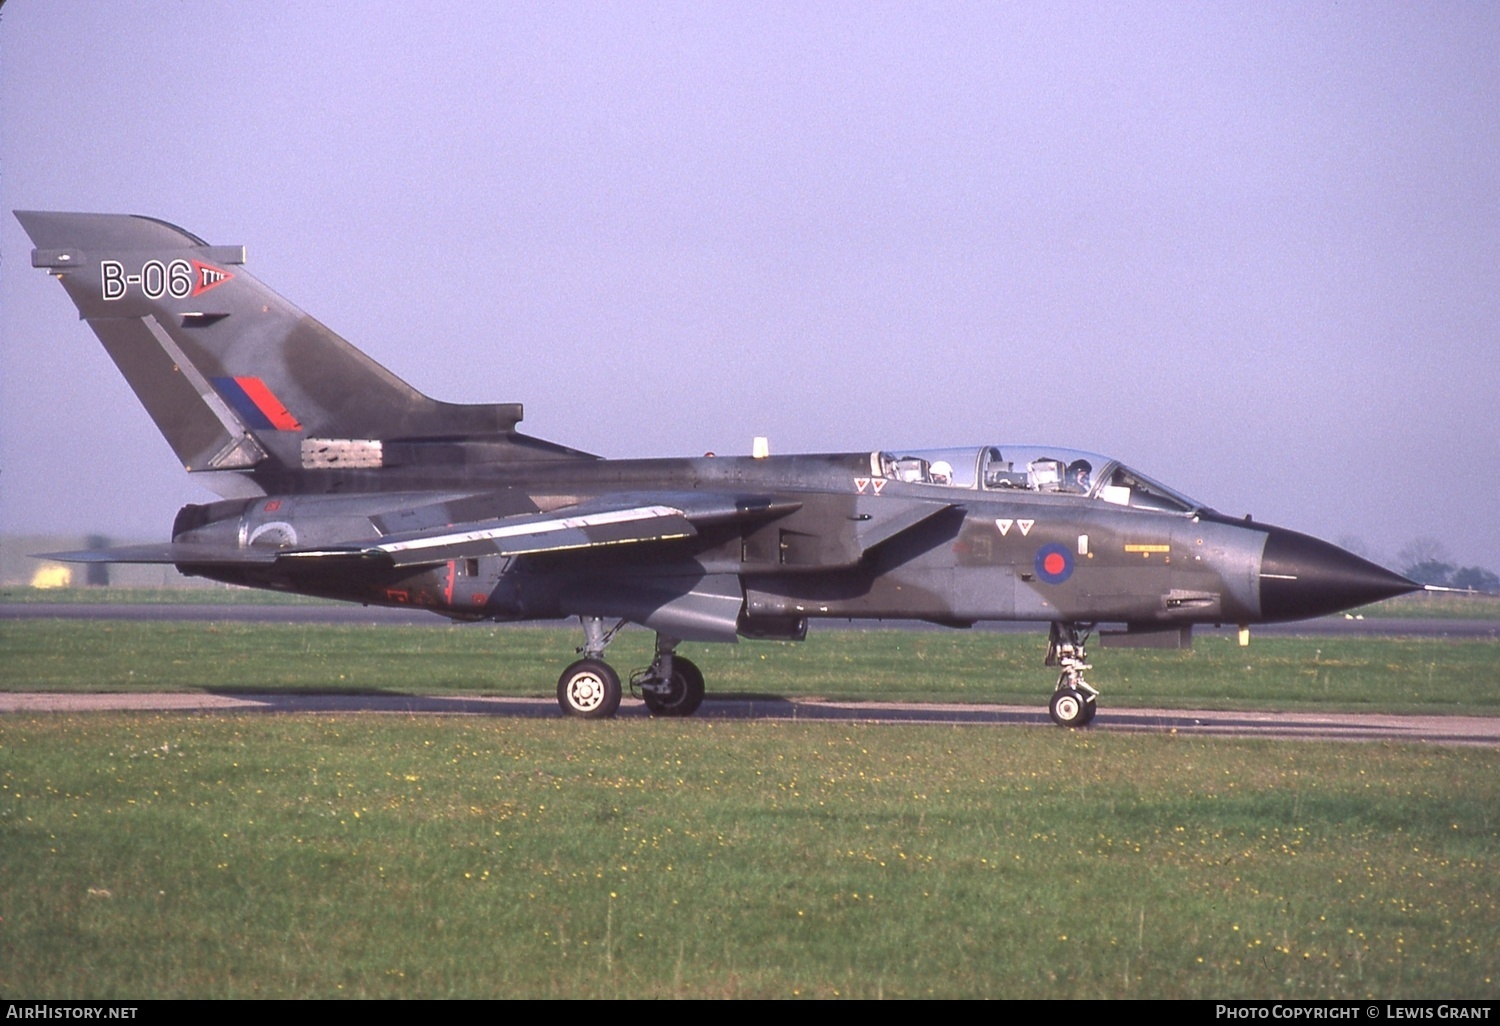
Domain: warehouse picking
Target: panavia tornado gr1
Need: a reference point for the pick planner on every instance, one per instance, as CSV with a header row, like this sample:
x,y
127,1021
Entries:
x,y
342,481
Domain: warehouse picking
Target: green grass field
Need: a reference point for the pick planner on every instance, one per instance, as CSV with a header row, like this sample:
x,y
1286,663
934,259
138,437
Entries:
x,y
161,855
243,856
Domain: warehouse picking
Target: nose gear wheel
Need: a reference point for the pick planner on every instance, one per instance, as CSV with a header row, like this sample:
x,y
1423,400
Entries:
x,y
1075,700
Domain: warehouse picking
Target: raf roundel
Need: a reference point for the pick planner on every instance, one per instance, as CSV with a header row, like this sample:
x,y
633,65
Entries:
x,y
1054,563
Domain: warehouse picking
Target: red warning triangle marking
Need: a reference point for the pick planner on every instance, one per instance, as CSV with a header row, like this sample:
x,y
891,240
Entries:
x,y
206,276
861,483
877,484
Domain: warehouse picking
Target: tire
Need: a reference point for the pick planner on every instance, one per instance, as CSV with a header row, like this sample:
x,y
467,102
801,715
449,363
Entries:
x,y
1069,708
589,689
685,695
1090,706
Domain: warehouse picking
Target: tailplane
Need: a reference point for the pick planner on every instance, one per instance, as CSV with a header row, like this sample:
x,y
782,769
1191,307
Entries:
x,y
237,378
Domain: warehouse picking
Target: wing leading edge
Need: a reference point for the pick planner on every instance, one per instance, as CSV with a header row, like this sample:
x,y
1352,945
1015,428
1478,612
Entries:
x,y
620,519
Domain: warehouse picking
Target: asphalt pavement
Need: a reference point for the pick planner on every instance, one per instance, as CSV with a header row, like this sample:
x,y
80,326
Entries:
x,y
1452,730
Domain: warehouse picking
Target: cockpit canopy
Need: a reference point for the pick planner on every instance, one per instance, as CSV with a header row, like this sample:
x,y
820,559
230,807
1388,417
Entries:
x,y
1032,468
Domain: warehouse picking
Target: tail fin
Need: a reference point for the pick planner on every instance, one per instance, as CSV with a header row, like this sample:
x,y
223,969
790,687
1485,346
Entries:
x,y
236,377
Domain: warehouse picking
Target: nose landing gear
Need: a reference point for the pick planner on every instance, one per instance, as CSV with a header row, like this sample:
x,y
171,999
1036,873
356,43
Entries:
x,y
1075,700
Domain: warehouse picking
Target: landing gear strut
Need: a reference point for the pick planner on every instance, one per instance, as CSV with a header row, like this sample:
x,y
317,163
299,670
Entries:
x,y
1074,701
671,686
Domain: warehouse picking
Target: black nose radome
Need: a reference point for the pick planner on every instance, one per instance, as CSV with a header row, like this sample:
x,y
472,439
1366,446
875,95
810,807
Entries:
x,y
1302,577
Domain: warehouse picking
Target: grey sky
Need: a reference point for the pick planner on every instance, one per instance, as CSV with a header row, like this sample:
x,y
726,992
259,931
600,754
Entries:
x,y
1252,249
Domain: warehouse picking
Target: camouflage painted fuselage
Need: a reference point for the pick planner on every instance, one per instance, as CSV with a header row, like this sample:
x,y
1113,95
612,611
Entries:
x,y
912,551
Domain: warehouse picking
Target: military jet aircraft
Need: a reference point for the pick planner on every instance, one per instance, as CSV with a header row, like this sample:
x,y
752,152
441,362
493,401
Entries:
x,y
342,481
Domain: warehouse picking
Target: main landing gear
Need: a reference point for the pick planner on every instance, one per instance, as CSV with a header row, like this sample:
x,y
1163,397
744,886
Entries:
x,y
1075,700
590,688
